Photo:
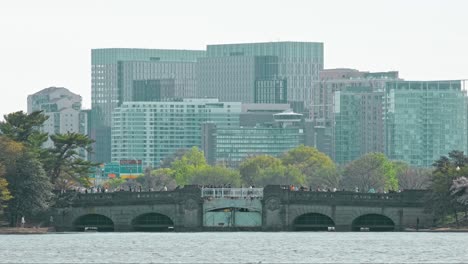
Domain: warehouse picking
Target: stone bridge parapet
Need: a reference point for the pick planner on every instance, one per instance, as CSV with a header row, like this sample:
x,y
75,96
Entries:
x,y
279,209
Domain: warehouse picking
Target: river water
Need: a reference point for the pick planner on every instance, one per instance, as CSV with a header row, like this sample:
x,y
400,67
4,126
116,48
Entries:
x,y
238,247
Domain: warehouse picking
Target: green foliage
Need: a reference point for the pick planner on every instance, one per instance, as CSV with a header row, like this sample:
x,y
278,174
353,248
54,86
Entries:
x,y
317,168
8,159
23,127
64,161
371,171
251,168
167,161
263,170
29,186
157,179
280,175
187,164
114,183
5,194
216,175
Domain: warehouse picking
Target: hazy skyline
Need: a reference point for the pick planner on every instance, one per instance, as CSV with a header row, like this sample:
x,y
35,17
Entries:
x,y
48,43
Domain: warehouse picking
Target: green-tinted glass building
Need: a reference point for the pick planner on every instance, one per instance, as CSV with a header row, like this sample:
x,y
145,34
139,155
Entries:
x,y
230,146
325,95
358,123
413,121
114,72
424,120
150,131
235,145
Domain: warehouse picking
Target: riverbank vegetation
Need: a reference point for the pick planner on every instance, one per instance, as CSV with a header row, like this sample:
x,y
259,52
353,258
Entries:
x,y
29,172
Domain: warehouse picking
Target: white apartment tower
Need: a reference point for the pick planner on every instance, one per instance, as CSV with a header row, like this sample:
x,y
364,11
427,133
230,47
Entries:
x,y
63,109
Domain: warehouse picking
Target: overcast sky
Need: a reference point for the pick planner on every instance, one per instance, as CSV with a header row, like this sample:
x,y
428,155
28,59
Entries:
x,y
48,43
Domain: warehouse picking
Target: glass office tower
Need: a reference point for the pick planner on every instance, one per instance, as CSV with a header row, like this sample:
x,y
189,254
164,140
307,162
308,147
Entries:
x,y
324,99
424,120
150,131
413,121
231,72
113,74
358,123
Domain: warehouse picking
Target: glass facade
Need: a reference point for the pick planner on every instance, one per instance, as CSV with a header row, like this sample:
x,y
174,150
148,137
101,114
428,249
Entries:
x,y
322,109
235,145
271,91
230,71
424,120
358,120
413,121
113,72
150,131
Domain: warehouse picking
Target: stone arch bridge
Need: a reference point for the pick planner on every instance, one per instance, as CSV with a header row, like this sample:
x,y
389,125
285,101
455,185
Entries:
x,y
270,209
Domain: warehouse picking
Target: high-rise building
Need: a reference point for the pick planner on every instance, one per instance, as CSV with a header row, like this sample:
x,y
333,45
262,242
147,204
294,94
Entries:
x,y
358,123
63,109
424,120
150,131
244,72
323,108
122,75
413,121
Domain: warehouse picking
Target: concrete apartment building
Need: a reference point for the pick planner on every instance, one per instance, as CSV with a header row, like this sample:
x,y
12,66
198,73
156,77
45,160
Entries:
x,y
63,109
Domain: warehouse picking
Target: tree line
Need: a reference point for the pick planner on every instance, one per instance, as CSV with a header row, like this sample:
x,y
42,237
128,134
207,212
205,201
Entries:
x,y
29,172
300,166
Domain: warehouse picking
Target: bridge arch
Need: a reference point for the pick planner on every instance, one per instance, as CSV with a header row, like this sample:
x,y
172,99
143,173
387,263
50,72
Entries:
x,y
155,222
99,221
312,222
373,222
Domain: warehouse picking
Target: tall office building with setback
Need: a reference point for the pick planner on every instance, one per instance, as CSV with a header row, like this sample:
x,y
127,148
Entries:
x,y
123,75
273,72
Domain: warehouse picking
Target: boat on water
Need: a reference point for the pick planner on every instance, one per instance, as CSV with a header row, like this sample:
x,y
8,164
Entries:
x,y
23,231
90,229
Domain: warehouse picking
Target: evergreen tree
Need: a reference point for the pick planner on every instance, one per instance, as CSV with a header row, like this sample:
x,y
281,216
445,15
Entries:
x,y
29,186
64,161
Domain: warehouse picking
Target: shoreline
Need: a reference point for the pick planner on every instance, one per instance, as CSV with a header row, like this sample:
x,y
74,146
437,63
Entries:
x,y
46,230
25,230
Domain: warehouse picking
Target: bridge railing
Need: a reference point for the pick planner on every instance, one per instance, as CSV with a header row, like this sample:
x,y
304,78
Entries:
x,y
344,196
235,193
406,197
125,195
77,199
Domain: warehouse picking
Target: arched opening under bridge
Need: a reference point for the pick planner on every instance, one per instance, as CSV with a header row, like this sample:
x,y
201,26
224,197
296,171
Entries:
x,y
313,222
152,222
373,222
93,222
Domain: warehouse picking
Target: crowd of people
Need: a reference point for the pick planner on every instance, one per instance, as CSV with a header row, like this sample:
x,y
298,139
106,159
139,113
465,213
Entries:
x,y
295,188
292,187
101,189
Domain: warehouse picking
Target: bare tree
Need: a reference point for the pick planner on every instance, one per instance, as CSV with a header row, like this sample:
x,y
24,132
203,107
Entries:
x,y
414,178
